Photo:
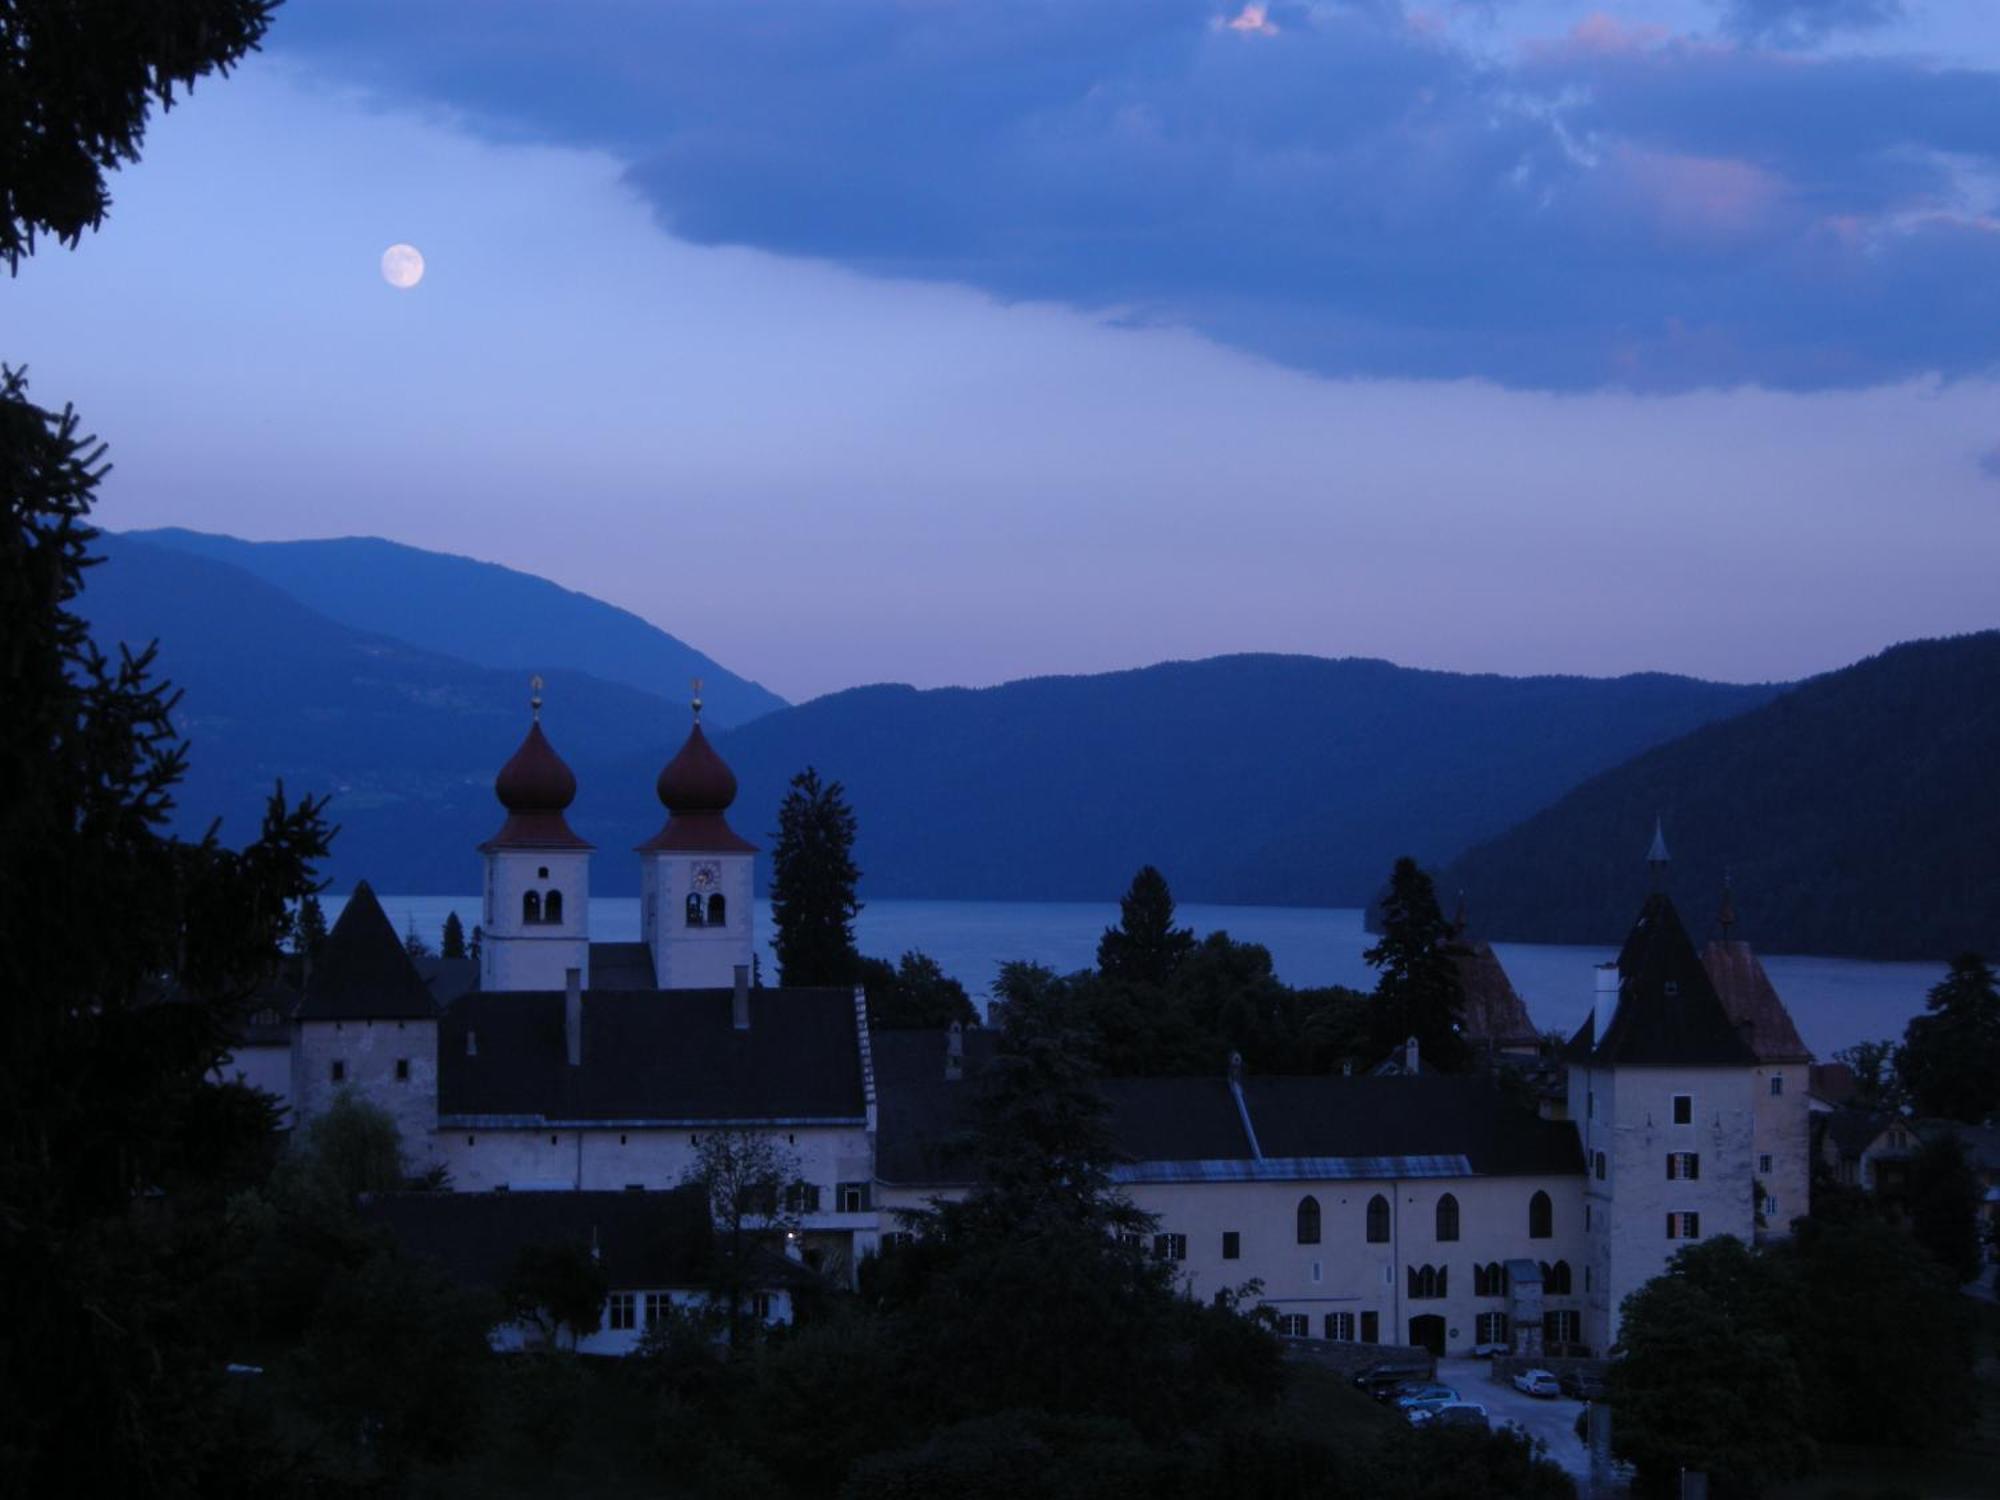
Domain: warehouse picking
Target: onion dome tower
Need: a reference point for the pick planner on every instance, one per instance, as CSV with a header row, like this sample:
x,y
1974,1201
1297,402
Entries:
x,y
695,873
536,913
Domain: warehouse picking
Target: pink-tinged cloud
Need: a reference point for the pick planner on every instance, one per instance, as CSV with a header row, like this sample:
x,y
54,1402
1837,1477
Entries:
x,y
1602,35
1253,20
1704,199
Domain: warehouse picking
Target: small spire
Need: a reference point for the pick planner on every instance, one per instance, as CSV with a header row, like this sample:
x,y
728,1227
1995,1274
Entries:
x,y
1726,916
535,697
1657,857
695,682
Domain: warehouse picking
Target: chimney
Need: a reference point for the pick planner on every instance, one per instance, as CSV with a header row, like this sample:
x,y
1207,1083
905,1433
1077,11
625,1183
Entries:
x,y
573,1014
1410,1059
739,1009
954,1053
1607,1000
471,1043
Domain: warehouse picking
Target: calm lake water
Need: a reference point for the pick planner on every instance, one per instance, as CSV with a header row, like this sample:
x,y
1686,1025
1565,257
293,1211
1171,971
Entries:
x,y
1835,1001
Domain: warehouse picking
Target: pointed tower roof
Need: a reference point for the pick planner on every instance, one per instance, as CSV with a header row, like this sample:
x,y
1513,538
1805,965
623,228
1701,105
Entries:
x,y
697,788
536,788
1669,1015
1657,858
361,972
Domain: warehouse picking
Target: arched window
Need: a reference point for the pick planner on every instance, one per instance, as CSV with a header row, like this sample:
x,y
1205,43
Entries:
x,y
1489,1280
717,910
1427,1281
1308,1220
552,907
1447,1218
1555,1279
1444,1281
531,906
1378,1220
1541,1217
694,909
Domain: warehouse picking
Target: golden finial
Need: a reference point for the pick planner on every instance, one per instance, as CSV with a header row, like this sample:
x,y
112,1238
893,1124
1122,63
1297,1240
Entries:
x,y
696,681
535,696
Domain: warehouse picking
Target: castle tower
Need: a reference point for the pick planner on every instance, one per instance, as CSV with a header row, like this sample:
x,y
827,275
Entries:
x,y
536,916
695,874
1661,1089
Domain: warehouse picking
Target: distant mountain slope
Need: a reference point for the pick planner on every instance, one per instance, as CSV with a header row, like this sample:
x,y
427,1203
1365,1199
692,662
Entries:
x,y
1859,814
1282,779
478,612
407,741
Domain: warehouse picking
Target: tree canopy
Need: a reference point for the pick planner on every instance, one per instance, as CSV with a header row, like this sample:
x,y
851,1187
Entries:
x,y
1418,992
1950,1057
1144,947
813,883
80,81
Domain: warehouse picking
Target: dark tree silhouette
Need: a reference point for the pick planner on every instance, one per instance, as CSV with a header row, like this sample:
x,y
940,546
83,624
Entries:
x,y
1418,993
916,992
813,879
452,943
1145,947
1942,1202
112,1029
308,927
79,79
1950,1058
557,1289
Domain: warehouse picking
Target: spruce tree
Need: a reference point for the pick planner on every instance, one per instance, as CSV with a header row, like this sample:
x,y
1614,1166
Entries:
x,y
309,927
452,944
1145,947
1418,993
813,880
1950,1057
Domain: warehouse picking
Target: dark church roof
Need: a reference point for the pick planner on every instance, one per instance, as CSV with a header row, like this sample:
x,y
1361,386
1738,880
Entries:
x,y
653,1056
622,966
656,1240
1492,1011
535,787
1669,1015
361,972
1288,1127
697,787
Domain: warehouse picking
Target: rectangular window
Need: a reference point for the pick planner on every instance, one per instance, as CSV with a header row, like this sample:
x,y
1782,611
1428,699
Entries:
x,y
1770,1208
621,1313
802,1198
1598,1164
851,1198
1371,1328
760,1306
1491,1328
1684,1109
1294,1325
402,1070
1590,1104
1683,1166
1586,1278
1683,1226
1318,1270
1340,1326
1232,1245
1562,1327
657,1306
339,1070
1777,1084
1764,1163
1169,1247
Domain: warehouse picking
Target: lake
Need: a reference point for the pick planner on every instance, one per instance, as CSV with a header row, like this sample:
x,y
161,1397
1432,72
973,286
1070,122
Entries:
x,y
1835,1001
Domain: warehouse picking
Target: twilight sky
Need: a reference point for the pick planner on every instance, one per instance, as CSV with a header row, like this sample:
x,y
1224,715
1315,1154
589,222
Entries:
x,y
953,342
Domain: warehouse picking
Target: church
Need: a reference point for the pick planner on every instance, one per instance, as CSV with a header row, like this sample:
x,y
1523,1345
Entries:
x,y
1403,1207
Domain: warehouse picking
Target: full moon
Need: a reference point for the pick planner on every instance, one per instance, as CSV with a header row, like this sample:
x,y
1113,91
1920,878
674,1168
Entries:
x,y
402,266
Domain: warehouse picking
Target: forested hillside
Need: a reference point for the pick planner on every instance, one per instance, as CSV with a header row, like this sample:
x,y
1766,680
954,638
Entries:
x,y
1858,813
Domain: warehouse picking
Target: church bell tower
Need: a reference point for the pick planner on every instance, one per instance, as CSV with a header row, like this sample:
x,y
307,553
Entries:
x,y
695,874
536,909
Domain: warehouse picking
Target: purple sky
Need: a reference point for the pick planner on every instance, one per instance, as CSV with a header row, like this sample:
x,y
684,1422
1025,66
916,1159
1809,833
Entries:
x,y
953,343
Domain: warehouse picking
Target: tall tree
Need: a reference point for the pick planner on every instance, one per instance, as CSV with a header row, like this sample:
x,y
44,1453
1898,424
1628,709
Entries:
x,y
756,1193
79,81
1950,1058
1418,992
557,1289
1942,1202
111,1032
308,926
813,881
452,944
1145,947
1873,1065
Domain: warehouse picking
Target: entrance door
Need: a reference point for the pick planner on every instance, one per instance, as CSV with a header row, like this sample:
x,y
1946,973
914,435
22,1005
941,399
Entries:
x,y
1428,1331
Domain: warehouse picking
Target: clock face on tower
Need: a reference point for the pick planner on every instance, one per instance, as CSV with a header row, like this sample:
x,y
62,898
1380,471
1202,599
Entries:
x,y
707,876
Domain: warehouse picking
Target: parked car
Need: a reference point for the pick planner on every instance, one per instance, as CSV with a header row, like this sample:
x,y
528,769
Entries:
x,y
1425,1395
1537,1383
1581,1385
1450,1414
1378,1378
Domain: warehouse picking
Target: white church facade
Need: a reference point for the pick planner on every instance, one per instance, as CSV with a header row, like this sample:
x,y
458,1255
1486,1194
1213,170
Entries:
x,y
1409,1209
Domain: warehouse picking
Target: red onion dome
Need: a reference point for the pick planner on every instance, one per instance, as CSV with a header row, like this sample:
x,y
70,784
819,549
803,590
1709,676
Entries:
x,y
697,780
535,780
